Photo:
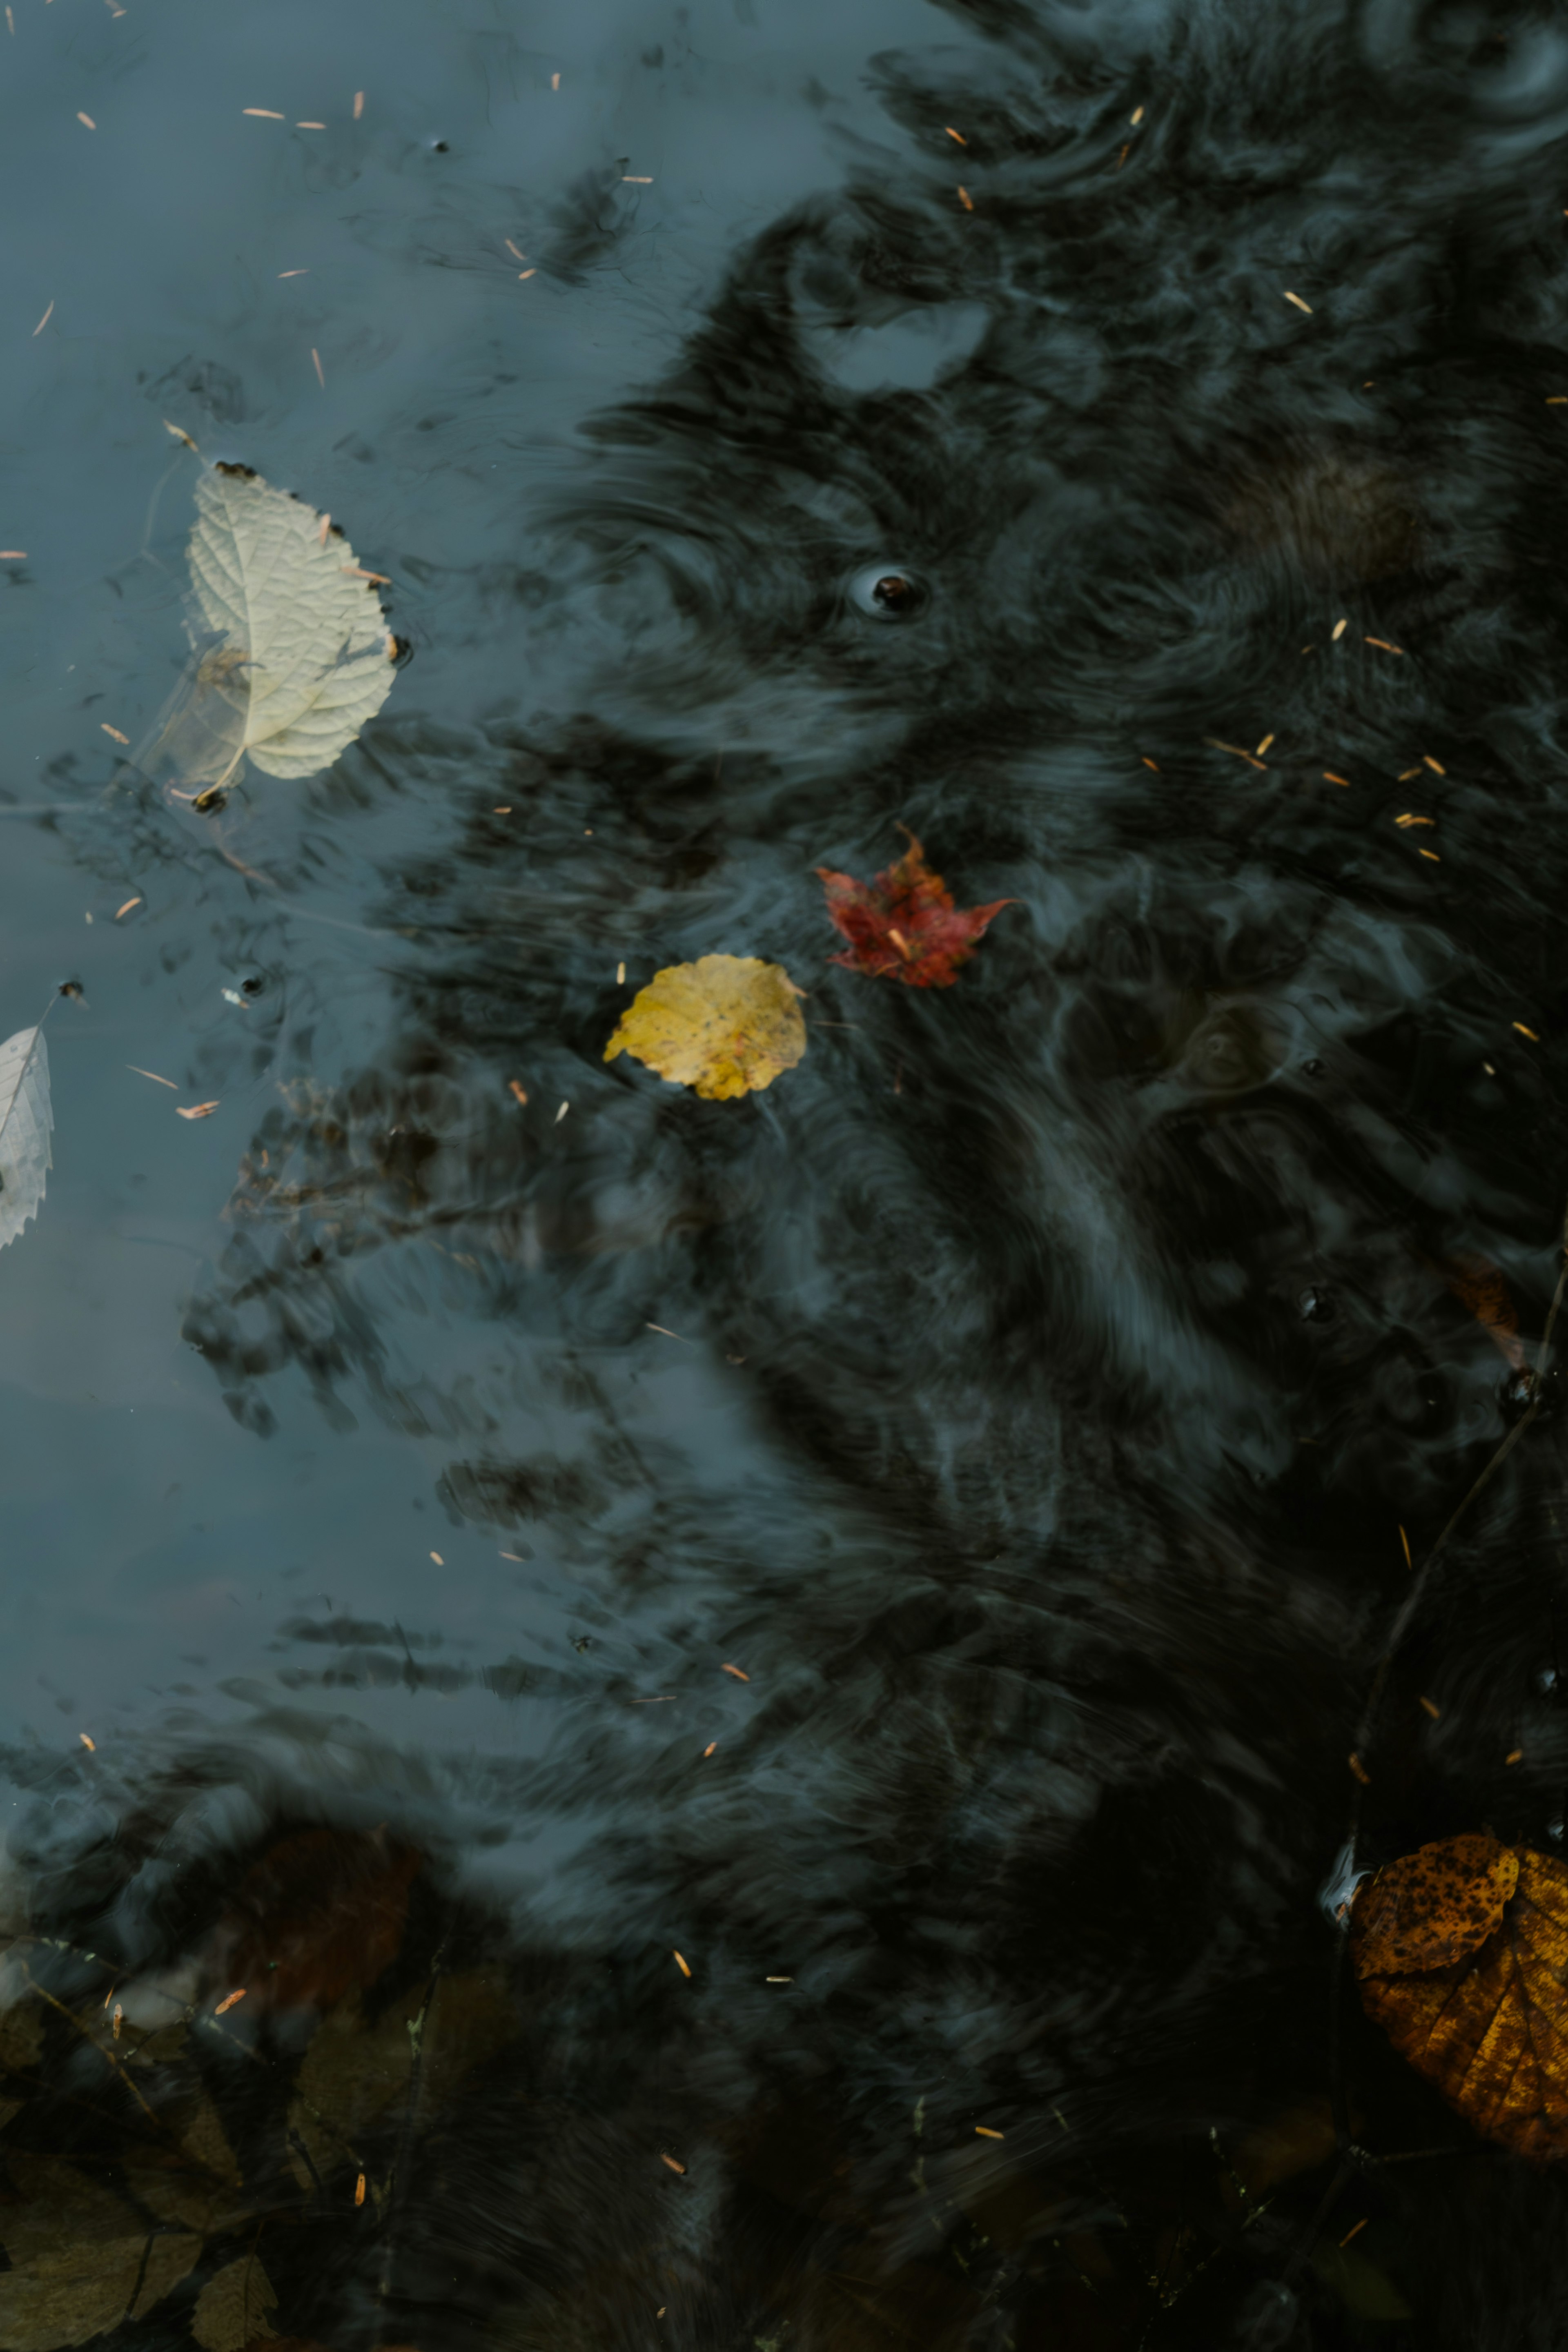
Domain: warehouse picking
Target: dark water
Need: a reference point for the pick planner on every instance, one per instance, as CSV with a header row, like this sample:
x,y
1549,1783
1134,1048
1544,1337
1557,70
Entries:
x,y
1060,1356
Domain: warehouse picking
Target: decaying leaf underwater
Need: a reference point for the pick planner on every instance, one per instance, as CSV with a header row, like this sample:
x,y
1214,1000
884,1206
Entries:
x,y
166,2150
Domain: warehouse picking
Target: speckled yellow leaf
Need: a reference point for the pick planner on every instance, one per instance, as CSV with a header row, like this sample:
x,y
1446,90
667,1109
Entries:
x,y
1462,1954
724,1026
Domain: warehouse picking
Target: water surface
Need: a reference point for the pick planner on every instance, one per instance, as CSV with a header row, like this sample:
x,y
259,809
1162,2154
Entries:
x,y
1033,1393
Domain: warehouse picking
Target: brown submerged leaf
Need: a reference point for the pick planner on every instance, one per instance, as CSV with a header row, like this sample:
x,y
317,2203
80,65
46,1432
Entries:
x,y
1462,1953
319,1917
1477,1285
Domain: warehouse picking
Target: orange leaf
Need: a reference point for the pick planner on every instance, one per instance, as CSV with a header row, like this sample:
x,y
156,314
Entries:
x,y
1434,1906
904,925
1462,1952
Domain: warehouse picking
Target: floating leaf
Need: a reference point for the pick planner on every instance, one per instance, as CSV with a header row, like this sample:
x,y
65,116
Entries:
x,y
1462,1953
77,2256
904,925
724,1026
293,654
235,2307
25,1121
1434,1906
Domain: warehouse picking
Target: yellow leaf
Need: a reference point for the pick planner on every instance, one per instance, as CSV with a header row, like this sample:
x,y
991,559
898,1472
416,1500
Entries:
x,y
1462,1954
723,1025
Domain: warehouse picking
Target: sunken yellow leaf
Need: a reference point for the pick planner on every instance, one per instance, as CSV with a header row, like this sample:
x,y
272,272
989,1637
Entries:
x,y
293,654
724,1025
235,2307
82,2259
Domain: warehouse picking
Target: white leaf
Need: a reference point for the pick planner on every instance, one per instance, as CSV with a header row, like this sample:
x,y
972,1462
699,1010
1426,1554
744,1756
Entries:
x,y
25,1121
294,655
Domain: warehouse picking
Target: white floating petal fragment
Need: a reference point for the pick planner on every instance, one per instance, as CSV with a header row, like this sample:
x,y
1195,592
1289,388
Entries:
x,y
25,1123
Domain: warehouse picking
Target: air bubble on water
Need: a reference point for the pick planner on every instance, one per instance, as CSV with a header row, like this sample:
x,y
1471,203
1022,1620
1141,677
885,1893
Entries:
x,y
887,592
1338,1890
1268,2319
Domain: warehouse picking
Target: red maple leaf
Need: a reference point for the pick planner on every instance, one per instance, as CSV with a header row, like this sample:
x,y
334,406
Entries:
x,y
904,925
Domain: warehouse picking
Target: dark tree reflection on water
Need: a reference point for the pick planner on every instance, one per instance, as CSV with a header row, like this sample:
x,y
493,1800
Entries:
x,y
1030,1390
